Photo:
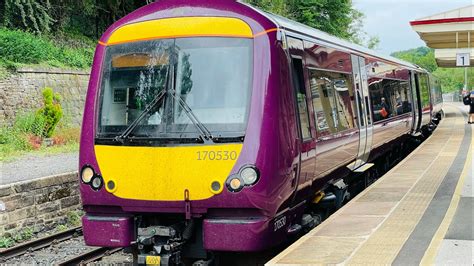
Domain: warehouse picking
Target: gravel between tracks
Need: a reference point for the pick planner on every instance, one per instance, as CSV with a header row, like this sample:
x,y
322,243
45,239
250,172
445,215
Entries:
x,y
51,255
62,251
119,258
35,166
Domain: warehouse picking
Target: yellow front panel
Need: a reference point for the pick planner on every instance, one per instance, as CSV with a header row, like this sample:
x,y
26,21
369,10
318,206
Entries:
x,y
164,173
181,27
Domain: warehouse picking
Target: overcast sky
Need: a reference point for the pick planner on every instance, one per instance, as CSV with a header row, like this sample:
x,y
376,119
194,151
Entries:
x,y
390,19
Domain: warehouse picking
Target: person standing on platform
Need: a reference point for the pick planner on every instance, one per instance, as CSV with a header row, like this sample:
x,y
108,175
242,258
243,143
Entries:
x,y
469,100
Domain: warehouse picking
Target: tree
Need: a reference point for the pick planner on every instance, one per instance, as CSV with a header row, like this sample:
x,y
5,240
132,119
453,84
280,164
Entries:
x,y
422,56
336,17
452,79
357,34
2,13
279,7
30,15
331,16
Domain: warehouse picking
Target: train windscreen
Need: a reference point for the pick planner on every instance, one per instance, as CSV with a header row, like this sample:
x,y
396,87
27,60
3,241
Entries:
x,y
156,88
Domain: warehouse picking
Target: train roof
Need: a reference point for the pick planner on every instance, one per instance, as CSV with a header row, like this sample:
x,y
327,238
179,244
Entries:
x,y
297,27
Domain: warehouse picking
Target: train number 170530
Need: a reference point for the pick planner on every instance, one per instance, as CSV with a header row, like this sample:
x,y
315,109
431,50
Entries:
x,y
216,155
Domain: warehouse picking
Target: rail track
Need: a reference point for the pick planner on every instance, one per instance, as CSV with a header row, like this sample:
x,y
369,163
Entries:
x,y
39,243
44,242
90,256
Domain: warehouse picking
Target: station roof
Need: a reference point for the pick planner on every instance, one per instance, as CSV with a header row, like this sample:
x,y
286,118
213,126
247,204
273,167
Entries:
x,y
448,33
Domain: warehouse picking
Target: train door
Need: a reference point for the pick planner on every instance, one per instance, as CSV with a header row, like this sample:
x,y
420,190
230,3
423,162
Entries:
x,y
305,168
364,114
415,88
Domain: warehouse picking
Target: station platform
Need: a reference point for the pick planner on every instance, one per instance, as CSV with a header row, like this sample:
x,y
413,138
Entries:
x,y
420,212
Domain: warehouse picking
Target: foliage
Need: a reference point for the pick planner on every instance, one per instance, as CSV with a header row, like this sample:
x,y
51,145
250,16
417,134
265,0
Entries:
x,y
22,137
452,79
9,240
51,112
6,242
359,36
30,123
23,235
279,7
61,228
17,137
91,17
31,15
421,56
66,135
73,218
20,47
336,17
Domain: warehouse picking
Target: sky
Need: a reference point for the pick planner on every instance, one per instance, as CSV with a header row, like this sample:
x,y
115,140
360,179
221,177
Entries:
x,y
390,20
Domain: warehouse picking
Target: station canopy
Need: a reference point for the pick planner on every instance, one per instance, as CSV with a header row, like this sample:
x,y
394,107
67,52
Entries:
x,y
449,33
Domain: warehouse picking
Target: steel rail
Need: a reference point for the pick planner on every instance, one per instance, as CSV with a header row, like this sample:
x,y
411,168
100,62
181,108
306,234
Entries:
x,y
90,256
18,250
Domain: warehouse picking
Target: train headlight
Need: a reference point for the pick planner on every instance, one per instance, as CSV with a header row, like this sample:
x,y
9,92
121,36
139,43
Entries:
x,y
235,184
87,174
249,175
96,182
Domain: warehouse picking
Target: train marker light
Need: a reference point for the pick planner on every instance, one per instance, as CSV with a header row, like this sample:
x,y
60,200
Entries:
x,y
216,187
249,174
111,187
87,174
96,182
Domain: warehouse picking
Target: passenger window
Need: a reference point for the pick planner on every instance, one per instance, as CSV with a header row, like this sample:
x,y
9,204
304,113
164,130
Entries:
x,y
389,98
424,91
298,81
333,100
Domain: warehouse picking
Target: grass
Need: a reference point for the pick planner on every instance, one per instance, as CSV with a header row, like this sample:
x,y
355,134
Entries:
x,y
63,50
9,152
21,138
10,240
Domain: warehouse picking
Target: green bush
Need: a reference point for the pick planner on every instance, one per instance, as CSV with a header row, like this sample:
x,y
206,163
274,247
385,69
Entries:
x,y
17,136
50,113
6,242
19,47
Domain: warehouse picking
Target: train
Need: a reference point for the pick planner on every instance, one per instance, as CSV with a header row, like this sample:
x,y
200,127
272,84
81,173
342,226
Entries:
x,y
213,126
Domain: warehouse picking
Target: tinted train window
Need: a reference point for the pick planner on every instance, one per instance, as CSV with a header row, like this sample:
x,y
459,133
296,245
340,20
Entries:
x,y
436,91
332,95
389,98
212,78
298,81
424,91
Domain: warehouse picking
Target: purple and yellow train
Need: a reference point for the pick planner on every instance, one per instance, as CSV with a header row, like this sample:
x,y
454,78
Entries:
x,y
213,126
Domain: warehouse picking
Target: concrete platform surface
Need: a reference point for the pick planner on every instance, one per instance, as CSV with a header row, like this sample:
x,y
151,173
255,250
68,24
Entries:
x,y
420,212
31,167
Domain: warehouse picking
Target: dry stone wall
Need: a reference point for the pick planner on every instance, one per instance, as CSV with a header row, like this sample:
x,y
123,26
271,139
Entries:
x,y
38,203
20,92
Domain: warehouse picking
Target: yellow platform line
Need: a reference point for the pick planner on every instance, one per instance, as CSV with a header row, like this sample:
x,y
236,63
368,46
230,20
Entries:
x,y
432,251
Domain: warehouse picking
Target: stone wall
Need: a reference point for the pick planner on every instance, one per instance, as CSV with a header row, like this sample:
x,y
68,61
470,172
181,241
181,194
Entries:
x,y
20,92
38,203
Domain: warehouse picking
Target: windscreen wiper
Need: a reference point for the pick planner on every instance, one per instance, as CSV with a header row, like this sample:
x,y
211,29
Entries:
x,y
203,131
137,121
